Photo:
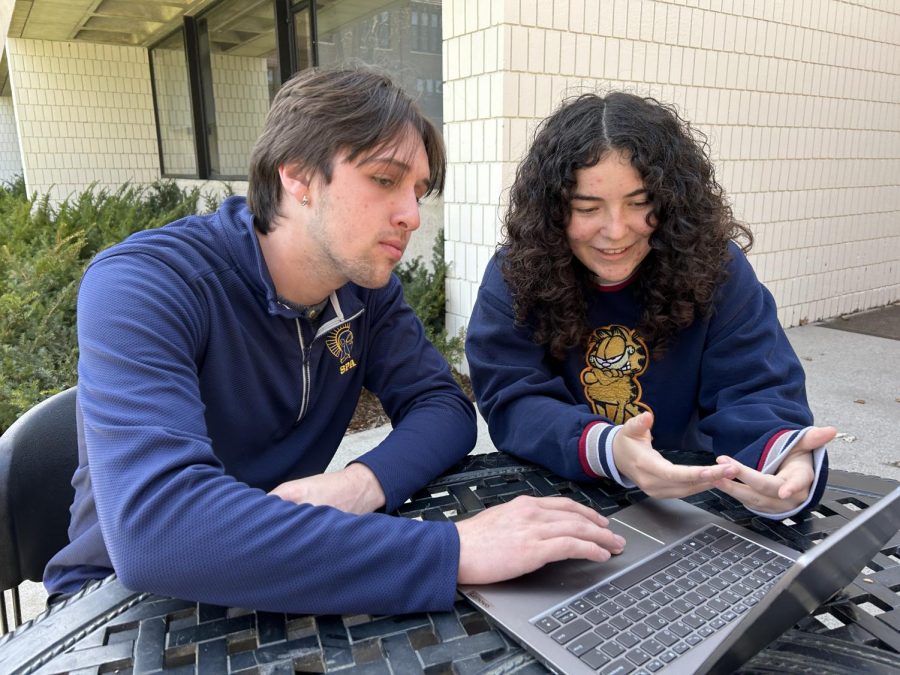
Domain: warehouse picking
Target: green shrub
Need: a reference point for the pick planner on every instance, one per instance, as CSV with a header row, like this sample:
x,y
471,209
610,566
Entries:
x,y
425,291
43,254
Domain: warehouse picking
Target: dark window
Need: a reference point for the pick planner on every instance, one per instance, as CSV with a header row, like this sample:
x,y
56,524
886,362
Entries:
x,y
174,117
214,79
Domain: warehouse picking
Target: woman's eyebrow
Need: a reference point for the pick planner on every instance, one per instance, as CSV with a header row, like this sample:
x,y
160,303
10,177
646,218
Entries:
x,y
591,198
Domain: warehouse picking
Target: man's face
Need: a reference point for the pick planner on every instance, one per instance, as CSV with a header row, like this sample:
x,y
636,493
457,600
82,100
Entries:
x,y
362,220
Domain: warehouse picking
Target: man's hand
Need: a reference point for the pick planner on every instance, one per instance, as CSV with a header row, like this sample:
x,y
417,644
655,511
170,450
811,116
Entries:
x,y
353,489
636,459
788,487
518,537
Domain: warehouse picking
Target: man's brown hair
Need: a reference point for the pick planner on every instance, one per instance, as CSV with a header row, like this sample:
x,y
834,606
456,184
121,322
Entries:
x,y
321,112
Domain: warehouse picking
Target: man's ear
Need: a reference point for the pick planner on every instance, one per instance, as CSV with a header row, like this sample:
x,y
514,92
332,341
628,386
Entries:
x,y
294,180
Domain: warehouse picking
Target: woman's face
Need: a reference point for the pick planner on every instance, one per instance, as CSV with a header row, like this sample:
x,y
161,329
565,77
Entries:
x,y
607,229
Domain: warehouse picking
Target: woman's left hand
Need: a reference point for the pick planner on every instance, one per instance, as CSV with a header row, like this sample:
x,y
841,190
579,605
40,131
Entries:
x,y
788,487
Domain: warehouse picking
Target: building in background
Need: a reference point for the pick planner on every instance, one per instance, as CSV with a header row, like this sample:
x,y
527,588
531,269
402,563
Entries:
x,y
800,101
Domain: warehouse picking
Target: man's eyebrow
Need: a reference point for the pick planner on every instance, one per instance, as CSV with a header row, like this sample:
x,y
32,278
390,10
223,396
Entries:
x,y
591,198
398,163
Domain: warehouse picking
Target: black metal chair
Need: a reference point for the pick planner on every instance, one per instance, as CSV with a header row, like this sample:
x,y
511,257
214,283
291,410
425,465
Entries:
x,y
38,455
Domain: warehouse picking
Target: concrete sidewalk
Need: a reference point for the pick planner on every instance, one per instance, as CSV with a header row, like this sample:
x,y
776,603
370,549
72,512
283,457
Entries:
x,y
853,383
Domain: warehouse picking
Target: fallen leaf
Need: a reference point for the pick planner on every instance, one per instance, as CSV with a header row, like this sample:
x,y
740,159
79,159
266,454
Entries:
x,y
848,438
806,358
859,400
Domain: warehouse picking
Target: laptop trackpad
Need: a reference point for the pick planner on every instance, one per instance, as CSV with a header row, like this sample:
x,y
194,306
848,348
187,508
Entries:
x,y
573,576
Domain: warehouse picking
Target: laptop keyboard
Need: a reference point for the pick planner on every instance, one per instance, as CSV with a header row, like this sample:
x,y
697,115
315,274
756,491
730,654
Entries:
x,y
646,618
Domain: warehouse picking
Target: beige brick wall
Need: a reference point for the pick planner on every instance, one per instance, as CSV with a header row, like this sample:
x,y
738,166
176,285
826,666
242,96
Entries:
x,y
10,156
800,100
84,113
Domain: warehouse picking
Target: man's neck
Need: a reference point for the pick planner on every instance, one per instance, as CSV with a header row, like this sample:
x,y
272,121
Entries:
x,y
297,276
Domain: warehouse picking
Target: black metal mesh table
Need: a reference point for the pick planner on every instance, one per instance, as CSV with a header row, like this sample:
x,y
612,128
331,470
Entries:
x,y
107,628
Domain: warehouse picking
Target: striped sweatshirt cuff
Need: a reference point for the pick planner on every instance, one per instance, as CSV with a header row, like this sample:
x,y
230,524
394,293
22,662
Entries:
x,y
595,452
774,454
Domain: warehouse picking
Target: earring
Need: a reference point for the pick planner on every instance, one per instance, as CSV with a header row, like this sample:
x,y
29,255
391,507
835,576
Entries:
x,y
304,201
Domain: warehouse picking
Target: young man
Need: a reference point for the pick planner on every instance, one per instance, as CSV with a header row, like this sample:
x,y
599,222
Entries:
x,y
221,358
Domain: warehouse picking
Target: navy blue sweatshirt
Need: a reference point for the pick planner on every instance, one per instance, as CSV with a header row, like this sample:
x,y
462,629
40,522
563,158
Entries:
x,y
198,393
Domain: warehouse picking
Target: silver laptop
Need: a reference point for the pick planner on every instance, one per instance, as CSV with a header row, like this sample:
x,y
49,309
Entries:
x,y
691,593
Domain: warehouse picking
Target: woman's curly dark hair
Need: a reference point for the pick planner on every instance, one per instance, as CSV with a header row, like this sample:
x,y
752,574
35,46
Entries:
x,y
688,249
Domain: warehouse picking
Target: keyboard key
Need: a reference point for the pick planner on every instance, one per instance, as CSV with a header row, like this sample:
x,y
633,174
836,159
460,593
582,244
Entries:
x,y
686,584
656,622
638,592
638,656
647,569
693,620
620,622
654,665
718,584
596,616
660,598
694,598
663,578
704,631
610,608
584,643
651,585
705,613
547,624
634,614
617,667
595,659
606,631
693,640
717,605
679,628
652,647
624,601
642,630
763,555
729,577
726,542
570,631
612,649
717,623
747,548
686,565
706,591
729,597
647,606
564,615
667,637
673,591
670,613
627,640
668,656
681,647
681,606
580,606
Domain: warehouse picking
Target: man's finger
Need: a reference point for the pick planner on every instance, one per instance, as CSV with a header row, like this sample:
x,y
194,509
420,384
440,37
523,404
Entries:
x,y
550,504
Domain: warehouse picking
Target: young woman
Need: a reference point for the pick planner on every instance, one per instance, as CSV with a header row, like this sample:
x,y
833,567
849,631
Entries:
x,y
619,302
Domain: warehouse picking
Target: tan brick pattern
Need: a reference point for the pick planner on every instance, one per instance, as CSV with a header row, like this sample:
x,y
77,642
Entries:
x,y
800,101
84,114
